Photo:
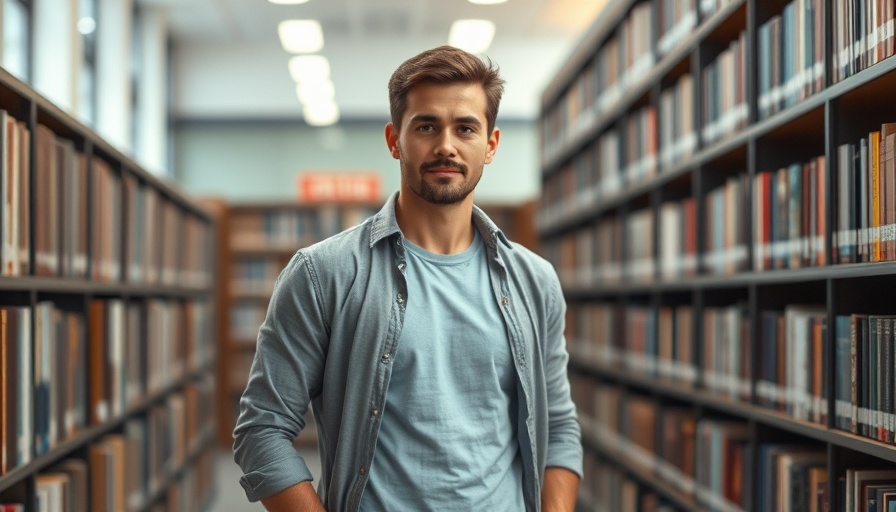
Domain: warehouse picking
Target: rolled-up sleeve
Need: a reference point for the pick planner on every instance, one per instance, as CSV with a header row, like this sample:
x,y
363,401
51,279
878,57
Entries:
x,y
564,433
285,375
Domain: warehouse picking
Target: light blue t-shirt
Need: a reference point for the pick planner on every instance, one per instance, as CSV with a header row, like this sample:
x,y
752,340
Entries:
x,y
448,438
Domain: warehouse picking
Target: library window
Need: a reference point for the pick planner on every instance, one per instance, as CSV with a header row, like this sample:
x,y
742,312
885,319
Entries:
x,y
136,72
17,37
87,27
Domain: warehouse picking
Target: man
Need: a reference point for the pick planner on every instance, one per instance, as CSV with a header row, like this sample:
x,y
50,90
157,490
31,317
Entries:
x,y
430,347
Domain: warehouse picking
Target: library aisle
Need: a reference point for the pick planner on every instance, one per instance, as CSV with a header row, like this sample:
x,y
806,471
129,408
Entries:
x,y
229,495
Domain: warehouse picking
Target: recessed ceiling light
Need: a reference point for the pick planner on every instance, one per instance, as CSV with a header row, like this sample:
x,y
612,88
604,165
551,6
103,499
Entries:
x,y
482,2
474,36
318,91
304,68
301,36
86,25
294,2
324,113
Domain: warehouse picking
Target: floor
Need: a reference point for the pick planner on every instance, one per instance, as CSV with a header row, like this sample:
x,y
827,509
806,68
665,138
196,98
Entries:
x,y
229,494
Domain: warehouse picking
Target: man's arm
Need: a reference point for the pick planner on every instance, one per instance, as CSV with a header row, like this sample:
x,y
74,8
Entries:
x,y
288,363
561,486
298,498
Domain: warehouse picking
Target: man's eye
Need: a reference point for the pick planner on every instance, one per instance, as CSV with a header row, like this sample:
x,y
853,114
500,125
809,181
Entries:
x,y
466,129
425,128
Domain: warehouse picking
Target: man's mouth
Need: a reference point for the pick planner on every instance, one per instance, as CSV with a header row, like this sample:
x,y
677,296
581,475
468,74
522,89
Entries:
x,y
443,168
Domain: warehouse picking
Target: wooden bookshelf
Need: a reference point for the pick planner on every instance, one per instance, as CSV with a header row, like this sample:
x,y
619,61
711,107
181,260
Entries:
x,y
105,322
516,220
719,198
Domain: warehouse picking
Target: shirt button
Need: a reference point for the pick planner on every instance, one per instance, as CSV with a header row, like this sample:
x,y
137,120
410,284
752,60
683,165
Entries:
x,y
400,299
362,471
386,357
374,412
505,301
401,266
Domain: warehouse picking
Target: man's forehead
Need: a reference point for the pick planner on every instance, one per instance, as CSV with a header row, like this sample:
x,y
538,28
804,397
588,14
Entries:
x,y
441,102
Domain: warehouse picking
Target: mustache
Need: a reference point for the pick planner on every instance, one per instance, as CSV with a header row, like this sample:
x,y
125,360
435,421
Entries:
x,y
443,163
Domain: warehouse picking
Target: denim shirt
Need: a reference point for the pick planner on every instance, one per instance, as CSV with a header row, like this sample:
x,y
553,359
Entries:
x,y
329,339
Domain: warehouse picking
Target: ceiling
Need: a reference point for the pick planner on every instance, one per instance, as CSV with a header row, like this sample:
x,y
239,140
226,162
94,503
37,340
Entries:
x,y
229,62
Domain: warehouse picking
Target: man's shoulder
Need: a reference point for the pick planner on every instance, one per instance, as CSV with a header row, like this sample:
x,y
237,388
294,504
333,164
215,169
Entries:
x,y
523,259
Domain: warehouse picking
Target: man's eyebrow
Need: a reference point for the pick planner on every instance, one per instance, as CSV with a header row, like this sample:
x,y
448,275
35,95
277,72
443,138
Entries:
x,y
467,120
431,118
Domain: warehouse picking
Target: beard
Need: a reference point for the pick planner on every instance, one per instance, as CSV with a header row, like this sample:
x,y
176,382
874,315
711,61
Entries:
x,y
439,190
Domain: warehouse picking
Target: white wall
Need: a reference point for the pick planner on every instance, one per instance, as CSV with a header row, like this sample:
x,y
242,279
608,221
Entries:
x,y
258,161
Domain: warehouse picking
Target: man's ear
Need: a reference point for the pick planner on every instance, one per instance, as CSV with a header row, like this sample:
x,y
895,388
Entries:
x,y
492,145
392,140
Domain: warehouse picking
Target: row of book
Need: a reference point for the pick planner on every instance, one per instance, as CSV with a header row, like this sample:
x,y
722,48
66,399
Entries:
x,y
65,369
86,212
656,342
622,61
790,216
128,470
788,211
790,54
711,459
678,18
245,318
597,173
725,107
866,198
865,386
292,228
863,35
791,359
650,139
607,488
254,276
790,62
589,256
726,214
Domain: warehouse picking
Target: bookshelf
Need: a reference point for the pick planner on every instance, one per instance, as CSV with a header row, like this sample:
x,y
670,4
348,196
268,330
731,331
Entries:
x,y
106,365
719,199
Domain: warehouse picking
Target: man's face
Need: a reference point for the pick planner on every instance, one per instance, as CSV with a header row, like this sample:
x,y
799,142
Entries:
x,y
443,144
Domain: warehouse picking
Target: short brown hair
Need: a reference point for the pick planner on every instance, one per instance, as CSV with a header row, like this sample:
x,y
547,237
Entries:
x,y
445,65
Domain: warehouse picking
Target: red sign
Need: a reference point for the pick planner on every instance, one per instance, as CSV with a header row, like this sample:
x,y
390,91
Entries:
x,y
339,187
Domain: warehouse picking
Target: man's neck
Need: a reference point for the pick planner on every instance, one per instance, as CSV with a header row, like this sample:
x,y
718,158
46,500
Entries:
x,y
437,228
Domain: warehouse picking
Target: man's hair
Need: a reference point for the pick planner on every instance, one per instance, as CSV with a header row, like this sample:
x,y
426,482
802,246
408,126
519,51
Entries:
x,y
445,65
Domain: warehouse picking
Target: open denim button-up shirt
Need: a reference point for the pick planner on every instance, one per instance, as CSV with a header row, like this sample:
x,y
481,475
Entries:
x,y
329,339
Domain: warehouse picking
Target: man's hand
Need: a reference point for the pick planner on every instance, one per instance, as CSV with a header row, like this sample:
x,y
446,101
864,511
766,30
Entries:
x,y
561,486
298,498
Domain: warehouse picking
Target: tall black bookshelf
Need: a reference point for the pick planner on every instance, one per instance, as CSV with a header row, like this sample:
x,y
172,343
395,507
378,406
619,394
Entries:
x,y
105,299
719,202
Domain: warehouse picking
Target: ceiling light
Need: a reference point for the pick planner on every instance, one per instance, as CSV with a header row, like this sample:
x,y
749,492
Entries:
x,y
292,2
301,36
482,2
309,67
324,113
86,25
315,91
474,36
